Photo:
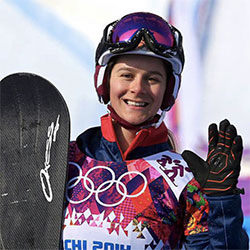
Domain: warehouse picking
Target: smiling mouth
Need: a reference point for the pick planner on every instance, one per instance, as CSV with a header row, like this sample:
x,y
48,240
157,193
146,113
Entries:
x,y
137,104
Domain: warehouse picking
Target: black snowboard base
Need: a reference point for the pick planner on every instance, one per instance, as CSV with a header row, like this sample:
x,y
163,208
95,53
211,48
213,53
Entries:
x,y
35,130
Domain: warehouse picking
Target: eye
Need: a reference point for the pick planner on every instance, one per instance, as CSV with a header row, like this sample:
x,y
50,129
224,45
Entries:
x,y
154,79
127,75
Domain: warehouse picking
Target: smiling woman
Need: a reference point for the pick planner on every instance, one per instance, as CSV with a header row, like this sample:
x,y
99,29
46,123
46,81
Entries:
x,y
127,188
137,87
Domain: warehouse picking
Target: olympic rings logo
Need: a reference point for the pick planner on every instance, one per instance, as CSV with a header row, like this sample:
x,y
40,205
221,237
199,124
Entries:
x,y
102,187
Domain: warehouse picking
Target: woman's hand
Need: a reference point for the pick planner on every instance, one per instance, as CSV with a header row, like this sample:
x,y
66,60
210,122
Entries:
x,y
218,175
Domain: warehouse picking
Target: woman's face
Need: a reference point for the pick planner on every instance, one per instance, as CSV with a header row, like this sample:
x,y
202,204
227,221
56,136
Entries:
x,y
137,87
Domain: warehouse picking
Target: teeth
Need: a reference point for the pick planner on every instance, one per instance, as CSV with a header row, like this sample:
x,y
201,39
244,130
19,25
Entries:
x,y
138,104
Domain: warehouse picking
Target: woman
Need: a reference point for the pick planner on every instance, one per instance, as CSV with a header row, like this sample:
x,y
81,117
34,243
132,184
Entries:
x,y
127,188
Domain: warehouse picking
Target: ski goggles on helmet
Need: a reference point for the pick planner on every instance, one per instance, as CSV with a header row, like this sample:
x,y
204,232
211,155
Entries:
x,y
127,33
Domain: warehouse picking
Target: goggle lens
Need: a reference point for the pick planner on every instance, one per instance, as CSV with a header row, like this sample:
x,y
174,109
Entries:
x,y
129,25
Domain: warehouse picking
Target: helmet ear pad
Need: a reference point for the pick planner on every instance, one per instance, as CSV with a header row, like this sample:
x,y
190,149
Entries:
x,y
103,88
168,99
100,88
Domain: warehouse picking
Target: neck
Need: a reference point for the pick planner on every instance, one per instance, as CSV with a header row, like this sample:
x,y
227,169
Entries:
x,y
124,136
126,132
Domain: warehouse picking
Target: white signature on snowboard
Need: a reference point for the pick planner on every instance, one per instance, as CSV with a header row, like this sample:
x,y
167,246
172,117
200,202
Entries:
x,y
44,173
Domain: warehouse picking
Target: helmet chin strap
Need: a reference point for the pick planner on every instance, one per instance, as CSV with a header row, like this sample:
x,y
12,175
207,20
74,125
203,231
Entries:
x,y
155,122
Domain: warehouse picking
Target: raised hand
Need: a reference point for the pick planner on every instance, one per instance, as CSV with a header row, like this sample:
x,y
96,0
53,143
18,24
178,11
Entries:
x,y
218,175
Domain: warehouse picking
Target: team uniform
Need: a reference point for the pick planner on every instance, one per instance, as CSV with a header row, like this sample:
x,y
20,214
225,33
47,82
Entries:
x,y
145,198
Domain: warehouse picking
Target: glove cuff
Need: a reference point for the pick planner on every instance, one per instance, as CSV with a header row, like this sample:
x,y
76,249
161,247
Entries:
x,y
228,192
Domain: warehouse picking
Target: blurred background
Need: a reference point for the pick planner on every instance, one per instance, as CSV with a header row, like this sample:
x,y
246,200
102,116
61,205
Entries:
x,y
57,39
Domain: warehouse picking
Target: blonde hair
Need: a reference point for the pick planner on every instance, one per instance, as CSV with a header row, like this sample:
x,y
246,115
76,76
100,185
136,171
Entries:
x,y
172,140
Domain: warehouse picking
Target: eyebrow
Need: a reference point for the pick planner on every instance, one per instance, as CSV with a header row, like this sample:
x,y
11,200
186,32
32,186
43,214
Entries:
x,y
153,72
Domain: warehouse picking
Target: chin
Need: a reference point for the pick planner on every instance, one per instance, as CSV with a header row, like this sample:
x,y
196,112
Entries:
x,y
135,118
136,121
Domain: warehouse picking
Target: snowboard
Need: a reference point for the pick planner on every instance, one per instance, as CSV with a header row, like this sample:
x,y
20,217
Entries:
x,y
35,132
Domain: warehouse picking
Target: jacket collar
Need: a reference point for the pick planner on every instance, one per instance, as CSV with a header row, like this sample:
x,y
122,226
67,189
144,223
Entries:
x,y
144,137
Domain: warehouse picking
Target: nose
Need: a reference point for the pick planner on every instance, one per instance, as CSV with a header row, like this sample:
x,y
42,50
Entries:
x,y
137,85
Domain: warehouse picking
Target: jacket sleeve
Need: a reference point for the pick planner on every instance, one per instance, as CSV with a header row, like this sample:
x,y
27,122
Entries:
x,y
225,219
